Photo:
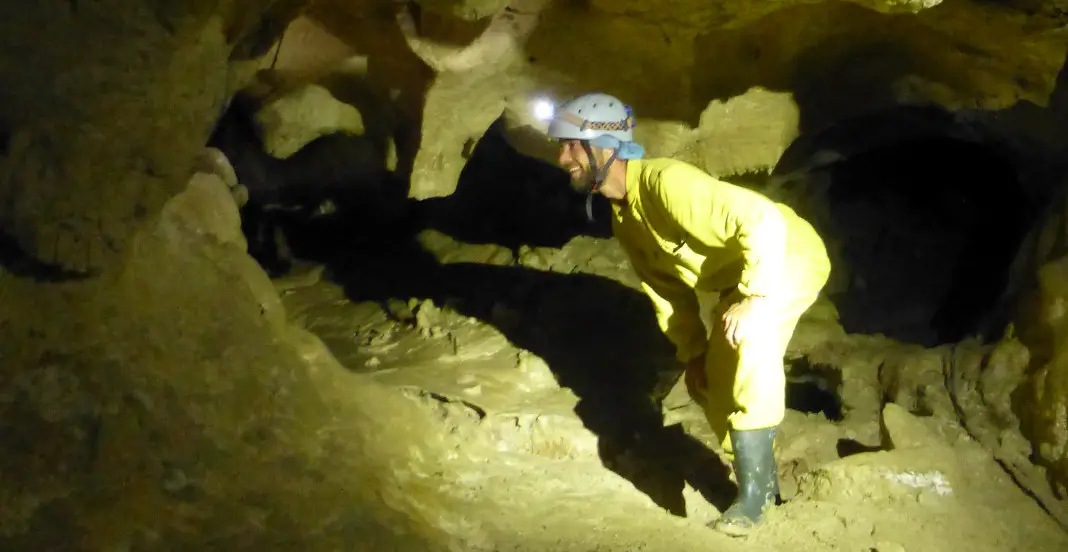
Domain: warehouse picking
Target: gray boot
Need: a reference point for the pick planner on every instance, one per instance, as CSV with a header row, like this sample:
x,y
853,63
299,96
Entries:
x,y
758,481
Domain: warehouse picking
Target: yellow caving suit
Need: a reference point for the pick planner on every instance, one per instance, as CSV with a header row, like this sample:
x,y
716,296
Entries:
x,y
684,230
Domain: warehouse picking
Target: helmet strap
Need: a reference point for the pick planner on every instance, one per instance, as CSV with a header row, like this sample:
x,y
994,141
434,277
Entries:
x,y
599,175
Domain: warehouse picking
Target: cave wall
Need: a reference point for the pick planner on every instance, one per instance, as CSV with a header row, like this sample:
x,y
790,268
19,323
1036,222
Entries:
x,y
730,89
1041,296
172,406
73,191
165,402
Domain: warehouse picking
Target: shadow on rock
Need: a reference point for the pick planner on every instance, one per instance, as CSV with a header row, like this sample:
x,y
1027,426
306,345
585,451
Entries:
x,y
509,199
15,260
597,336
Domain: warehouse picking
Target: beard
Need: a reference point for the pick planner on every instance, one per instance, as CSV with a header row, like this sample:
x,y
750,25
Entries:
x,y
582,182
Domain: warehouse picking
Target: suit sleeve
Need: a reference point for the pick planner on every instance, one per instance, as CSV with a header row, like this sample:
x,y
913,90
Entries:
x,y
715,213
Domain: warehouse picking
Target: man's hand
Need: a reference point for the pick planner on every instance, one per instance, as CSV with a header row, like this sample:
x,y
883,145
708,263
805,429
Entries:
x,y
744,319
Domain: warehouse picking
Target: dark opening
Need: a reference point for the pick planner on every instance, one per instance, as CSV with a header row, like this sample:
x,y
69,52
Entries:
x,y
929,227
814,390
849,447
336,190
15,259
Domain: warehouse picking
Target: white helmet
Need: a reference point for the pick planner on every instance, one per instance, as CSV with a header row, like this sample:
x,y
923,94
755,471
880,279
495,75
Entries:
x,y
592,116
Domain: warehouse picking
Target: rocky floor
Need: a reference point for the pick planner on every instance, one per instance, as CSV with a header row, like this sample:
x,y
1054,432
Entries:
x,y
547,365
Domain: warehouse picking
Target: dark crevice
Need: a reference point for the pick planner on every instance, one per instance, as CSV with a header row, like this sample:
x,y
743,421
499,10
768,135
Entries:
x,y
337,187
14,259
814,389
929,226
815,398
502,197
849,447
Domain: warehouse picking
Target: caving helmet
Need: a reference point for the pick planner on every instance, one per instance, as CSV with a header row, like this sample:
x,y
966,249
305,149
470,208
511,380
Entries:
x,y
598,120
603,120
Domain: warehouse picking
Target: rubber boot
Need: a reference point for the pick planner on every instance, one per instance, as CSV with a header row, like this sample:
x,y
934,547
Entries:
x,y
758,481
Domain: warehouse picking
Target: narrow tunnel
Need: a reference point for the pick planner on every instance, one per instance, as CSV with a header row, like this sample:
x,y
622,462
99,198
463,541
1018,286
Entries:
x,y
922,230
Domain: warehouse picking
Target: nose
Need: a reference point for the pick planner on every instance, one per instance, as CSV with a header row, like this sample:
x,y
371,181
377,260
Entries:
x,y
565,155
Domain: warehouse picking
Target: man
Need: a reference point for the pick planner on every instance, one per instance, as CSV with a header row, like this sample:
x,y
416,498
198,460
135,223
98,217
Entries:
x,y
684,231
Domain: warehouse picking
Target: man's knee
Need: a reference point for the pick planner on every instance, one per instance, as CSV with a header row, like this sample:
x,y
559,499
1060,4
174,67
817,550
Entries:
x,y
759,390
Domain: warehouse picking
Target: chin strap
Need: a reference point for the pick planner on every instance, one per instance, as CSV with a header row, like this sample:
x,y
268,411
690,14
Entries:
x,y
599,175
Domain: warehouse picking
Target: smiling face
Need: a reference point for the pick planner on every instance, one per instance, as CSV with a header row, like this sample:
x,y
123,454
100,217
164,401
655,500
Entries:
x,y
574,159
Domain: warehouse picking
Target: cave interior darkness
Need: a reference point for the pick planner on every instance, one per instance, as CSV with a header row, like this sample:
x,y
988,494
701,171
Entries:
x,y
921,229
927,228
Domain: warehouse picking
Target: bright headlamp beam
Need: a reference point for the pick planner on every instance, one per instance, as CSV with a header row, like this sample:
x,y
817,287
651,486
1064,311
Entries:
x,y
543,109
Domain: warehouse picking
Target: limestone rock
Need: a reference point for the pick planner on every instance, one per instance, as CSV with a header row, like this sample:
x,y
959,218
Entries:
x,y
308,50
288,121
879,478
1045,420
534,373
449,250
500,42
1039,273
745,133
887,546
817,326
1003,371
920,467
898,6
465,9
213,161
61,163
914,378
458,110
906,430
744,81
206,208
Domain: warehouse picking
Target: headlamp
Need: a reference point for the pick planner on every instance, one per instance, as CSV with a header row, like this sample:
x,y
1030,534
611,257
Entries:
x,y
543,109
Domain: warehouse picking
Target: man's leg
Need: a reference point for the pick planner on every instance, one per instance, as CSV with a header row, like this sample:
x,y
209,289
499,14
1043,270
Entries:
x,y
745,403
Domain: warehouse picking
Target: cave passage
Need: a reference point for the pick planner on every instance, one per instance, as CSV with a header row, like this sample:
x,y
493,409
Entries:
x,y
921,230
928,227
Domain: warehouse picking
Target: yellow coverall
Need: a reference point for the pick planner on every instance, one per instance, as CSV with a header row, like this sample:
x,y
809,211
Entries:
x,y
684,230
